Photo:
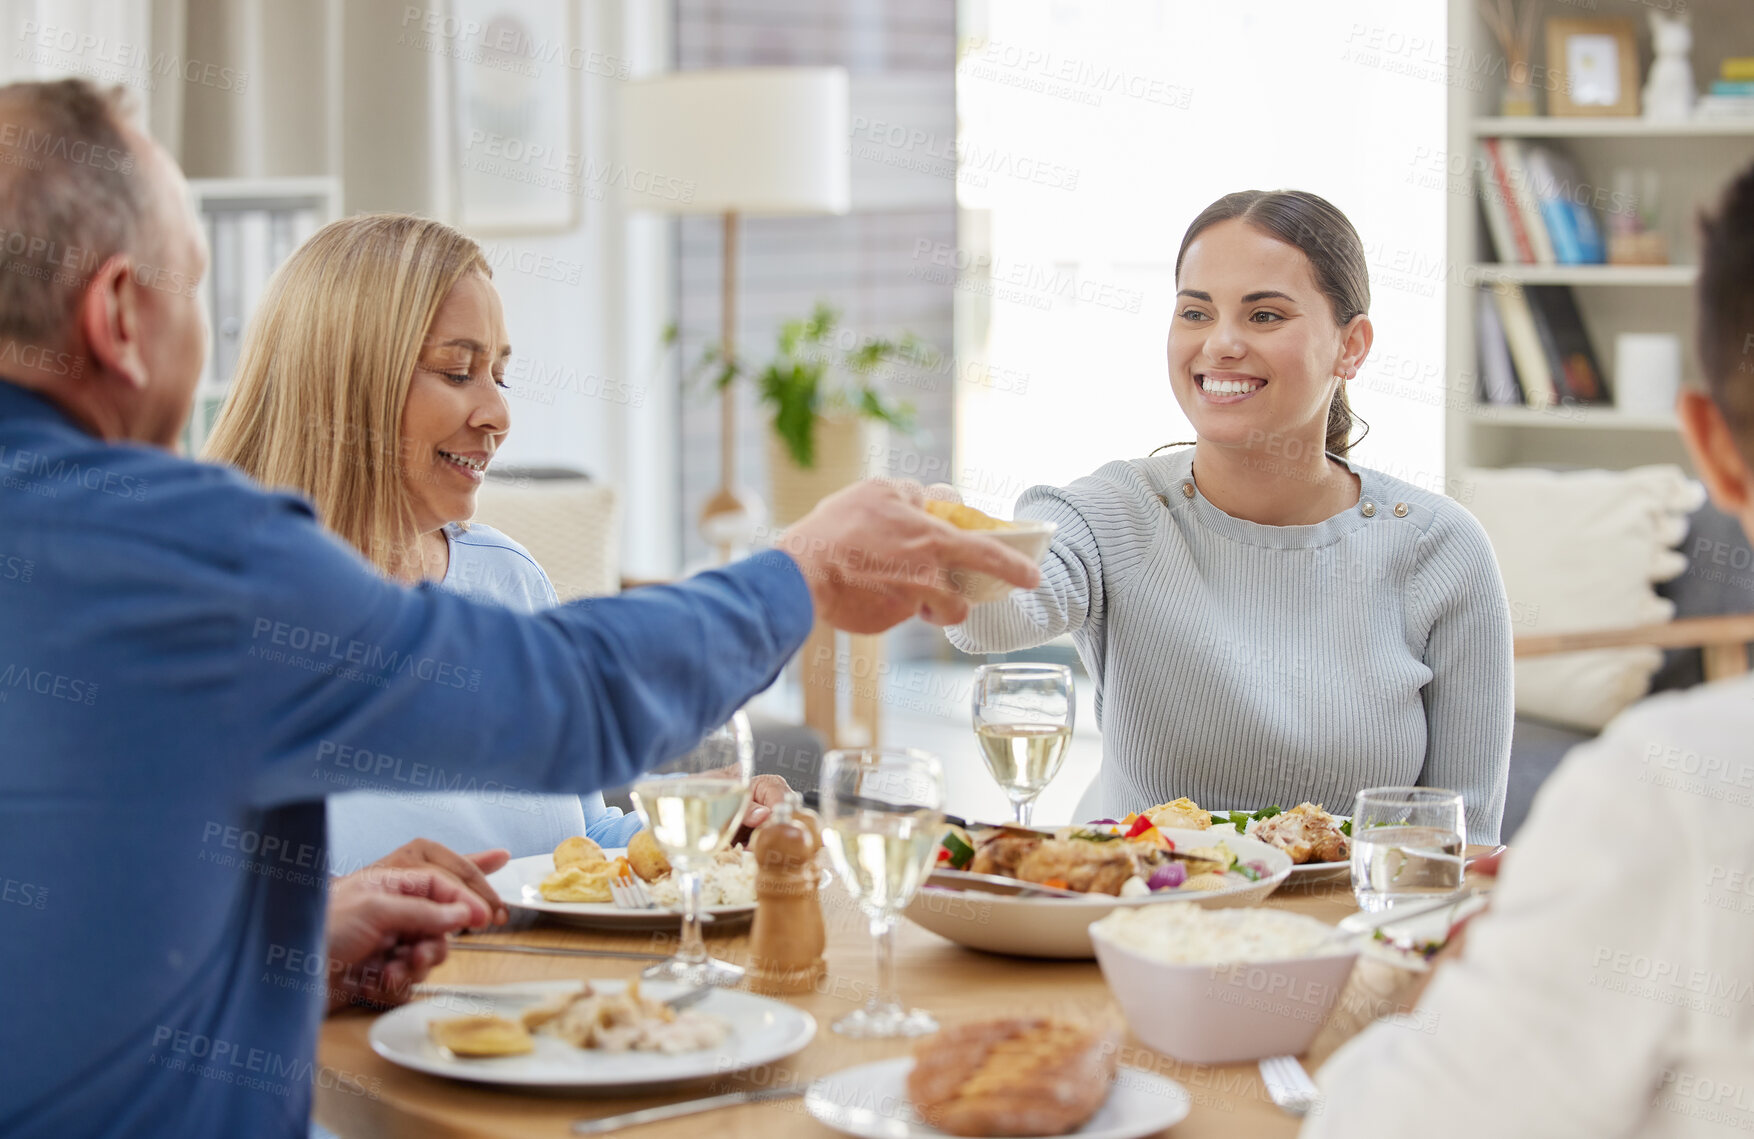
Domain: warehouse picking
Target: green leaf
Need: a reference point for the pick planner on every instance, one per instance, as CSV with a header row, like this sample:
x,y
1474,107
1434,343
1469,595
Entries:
x,y
1346,828
961,854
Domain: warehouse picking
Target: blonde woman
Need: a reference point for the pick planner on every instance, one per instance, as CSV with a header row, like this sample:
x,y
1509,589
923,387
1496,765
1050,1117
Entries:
x,y
369,381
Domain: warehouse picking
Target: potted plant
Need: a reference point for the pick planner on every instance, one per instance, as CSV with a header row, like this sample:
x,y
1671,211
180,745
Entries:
x,y
827,412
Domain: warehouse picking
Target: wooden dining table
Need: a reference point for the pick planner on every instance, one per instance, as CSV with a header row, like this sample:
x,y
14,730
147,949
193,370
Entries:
x,y
359,1094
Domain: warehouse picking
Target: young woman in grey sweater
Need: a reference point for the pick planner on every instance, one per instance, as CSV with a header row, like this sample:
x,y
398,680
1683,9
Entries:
x,y
1266,622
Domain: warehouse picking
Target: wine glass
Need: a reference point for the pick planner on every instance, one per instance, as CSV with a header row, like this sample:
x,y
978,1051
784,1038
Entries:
x,y
882,819
1406,846
1023,719
693,805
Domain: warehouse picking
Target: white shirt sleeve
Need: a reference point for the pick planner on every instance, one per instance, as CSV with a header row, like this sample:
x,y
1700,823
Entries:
x,y
1543,1027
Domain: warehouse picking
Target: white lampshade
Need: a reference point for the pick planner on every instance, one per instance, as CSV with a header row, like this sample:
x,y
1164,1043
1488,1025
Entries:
x,y
763,140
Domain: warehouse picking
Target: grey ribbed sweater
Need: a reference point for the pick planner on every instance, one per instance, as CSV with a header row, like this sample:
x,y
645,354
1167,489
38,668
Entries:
x,y
1245,665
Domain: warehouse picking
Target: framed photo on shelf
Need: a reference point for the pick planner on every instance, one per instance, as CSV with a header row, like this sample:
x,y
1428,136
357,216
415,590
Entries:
x,y
1594,65
515,84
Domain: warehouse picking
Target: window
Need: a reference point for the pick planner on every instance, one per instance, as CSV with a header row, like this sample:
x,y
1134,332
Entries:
x,y
1090,135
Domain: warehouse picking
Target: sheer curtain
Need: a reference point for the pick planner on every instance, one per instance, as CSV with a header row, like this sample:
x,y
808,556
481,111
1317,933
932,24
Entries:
x,y
1090,135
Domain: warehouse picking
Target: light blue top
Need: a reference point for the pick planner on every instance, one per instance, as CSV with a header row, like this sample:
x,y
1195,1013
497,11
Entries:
x,y
488,567
1247,666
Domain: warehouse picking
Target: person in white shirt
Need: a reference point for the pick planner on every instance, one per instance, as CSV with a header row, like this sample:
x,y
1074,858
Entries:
x,y
1609,989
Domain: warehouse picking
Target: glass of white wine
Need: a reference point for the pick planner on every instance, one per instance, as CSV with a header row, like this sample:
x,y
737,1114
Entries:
x,y
693,805
1023,718
882,819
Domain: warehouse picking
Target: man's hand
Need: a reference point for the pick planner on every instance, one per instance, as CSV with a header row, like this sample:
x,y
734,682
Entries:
x,y
386,930
766,793
469,871
873,558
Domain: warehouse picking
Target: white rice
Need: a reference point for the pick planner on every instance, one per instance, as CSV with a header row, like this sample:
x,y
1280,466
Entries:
x,y
1189,935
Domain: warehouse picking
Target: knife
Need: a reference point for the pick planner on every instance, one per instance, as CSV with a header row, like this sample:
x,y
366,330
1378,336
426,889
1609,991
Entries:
x,y
553,950
686,1107
995,884
813,800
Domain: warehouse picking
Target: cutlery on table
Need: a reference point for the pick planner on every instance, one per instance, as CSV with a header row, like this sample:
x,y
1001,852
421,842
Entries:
x,y
550,950
1289,1085
540,990
813,800
994,884
686,1107
630,893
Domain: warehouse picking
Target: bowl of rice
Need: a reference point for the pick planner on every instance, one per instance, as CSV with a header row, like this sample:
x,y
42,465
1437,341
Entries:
x,y
1222,986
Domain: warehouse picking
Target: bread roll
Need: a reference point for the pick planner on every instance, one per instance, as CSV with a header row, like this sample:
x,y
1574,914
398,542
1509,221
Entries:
x,y
1021,1076
645,857
577,851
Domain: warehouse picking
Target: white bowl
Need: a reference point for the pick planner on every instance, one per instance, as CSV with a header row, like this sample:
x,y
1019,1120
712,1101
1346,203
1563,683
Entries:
x,y
1058,927
1224,1014
1029,537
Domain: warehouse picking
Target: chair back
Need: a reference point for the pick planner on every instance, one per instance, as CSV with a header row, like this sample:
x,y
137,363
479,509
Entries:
x,y
570,524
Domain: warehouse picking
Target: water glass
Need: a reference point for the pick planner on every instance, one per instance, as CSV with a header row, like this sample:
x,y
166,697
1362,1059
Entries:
x,y
1406,846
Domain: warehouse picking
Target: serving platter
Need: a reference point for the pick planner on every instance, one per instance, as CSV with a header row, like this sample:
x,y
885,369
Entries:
x,y
1059,927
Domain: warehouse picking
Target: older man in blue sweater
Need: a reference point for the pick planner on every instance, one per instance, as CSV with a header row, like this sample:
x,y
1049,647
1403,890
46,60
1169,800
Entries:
x,y
180,652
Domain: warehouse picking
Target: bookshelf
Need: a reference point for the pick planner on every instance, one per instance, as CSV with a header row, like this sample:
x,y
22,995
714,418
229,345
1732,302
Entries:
x,y
252,225
1694,159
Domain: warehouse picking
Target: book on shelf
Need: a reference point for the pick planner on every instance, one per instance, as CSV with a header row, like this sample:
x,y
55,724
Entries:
x,y
1495,206
1532,370
1498,383
1733,87
1577,372
1542,223
1534,348
1521,249
1516,173
1737,67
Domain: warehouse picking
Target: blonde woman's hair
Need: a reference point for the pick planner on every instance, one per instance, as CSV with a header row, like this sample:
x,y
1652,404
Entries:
x,y
316,404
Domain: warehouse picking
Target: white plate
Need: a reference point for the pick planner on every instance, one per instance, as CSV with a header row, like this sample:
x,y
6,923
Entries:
x,y
871,1101
1059,927
1309,873
762,1031
519,883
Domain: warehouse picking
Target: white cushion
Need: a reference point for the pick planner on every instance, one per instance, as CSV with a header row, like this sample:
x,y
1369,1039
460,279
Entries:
x,y
1581,550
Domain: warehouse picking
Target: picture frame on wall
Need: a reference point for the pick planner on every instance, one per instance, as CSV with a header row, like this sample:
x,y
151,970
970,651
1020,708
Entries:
x,y
1594,66
515,82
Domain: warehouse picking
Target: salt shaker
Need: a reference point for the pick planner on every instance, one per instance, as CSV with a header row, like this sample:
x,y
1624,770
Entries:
x,y
786,942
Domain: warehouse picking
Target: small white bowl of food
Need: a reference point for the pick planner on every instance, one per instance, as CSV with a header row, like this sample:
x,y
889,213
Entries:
x,y
1028,537
1222,986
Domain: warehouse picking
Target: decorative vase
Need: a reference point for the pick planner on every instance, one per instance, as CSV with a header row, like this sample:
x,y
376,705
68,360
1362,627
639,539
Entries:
x,y
845,451
1519,96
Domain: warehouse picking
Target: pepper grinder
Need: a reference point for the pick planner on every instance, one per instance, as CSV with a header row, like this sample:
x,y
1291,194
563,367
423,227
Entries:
x,y
786,942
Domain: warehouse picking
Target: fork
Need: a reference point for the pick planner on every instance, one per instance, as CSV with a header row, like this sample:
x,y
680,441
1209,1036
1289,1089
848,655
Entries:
x,y
1289,1085
630,894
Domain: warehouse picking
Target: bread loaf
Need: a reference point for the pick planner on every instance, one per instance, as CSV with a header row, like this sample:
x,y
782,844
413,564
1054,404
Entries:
x,y
1020,1076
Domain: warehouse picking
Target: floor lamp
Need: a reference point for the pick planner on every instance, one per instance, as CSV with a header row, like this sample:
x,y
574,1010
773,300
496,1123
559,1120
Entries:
x,y
738,142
